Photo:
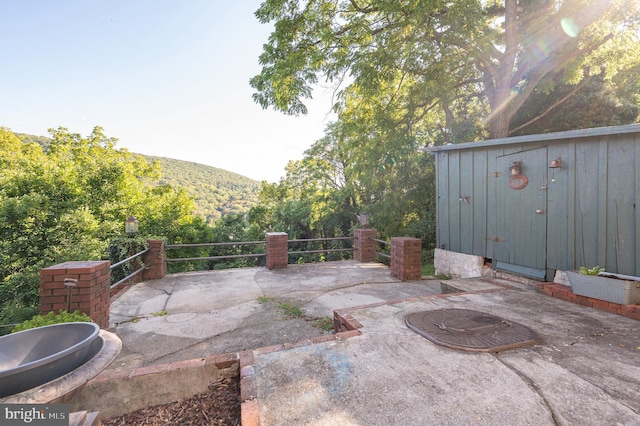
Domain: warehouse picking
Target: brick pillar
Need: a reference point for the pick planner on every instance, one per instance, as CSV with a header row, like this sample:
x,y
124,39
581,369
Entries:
x,y
365,247
277,250
91,294
155,261
406,258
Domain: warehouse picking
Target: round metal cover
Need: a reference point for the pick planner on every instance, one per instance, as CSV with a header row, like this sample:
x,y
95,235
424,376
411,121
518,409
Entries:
x,y
470,330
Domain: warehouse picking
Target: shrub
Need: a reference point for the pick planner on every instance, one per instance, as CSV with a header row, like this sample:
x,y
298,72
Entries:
x,y
50,319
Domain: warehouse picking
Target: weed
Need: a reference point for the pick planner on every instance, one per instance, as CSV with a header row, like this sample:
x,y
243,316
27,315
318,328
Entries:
x,y
291,311
324,323
264,299
160,314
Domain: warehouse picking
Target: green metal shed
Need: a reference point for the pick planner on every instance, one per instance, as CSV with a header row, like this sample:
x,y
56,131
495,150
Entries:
x,y
541,203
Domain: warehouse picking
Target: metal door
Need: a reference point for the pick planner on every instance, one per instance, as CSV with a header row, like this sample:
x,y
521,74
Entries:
x,y
521,213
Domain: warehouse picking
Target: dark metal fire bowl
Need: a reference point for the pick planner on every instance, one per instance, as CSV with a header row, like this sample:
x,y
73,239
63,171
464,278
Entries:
x,y
469,330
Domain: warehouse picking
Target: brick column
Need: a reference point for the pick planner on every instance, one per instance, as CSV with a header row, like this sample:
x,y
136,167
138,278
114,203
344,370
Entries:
x,y
91,294
406,258
365,247
155,261
277,250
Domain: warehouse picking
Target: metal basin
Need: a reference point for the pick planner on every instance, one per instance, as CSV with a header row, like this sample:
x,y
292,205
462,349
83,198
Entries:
x,y
33,357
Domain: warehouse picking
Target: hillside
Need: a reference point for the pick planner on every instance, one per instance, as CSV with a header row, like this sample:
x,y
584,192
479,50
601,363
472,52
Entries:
x,y
217,192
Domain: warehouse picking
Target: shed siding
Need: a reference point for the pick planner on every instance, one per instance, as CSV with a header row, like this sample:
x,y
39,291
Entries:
x,y
591,201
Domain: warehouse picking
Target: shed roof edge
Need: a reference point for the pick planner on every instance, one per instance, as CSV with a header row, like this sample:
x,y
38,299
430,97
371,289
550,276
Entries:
x,y
569,134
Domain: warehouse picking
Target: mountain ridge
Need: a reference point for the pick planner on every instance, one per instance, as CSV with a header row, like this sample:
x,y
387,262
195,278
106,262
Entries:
x,y
217,192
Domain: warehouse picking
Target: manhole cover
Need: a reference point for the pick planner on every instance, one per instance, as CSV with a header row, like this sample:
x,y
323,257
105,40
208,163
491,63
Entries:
x,y
470,330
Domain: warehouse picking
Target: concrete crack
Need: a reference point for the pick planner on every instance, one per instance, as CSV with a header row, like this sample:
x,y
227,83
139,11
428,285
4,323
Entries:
x,y
168,293
532,385
333,289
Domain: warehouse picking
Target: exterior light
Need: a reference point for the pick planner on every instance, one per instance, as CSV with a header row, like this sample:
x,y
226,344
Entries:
x,y
515,168
131,225
363,219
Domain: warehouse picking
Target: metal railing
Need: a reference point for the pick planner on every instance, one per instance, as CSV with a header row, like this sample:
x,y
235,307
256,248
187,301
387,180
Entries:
x,y
230,256
257,255
125,261
386,243
311,240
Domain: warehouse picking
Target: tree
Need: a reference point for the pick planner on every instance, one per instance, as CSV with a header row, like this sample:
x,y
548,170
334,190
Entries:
x,y
476,61
592,103
66,202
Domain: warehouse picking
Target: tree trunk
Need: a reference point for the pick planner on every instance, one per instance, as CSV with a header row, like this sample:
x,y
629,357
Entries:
x,y
499,126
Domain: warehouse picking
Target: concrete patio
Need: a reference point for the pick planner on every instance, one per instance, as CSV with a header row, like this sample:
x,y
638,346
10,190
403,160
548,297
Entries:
x,y
584,370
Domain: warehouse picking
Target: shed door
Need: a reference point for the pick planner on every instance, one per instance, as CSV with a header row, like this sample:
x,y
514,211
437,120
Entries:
x,y
521,221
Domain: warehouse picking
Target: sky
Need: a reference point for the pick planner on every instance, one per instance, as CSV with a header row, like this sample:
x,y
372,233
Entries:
x,y
166,78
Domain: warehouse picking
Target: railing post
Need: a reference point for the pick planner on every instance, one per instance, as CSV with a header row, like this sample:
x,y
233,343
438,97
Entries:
x,y
364,245
155,261
406,258
277,250
90,294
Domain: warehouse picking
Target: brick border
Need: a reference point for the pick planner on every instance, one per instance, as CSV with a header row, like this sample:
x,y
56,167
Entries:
x,y
346,326
561,291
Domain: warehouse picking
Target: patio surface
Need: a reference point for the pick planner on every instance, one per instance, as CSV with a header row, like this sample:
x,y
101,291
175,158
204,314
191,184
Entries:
x,y
584,370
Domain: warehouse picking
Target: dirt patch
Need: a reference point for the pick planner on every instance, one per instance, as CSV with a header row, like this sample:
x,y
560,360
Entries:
x,y
218,406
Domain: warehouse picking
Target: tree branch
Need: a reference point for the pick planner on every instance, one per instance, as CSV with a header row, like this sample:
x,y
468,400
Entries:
x,y
548,110
367,9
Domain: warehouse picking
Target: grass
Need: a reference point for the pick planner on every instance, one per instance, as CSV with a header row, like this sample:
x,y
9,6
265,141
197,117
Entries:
x,y
428,269
264,299
288,309
443,277
291,311
324,323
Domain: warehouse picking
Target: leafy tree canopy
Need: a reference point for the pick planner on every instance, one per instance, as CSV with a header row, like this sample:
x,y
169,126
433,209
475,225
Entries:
x,y
67,201
476,62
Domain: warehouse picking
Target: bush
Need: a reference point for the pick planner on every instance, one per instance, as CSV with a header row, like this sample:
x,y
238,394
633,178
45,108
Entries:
x,y
50,319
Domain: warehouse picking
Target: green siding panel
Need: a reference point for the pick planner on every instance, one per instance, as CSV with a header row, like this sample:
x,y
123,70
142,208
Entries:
x,y
590,203
466,200
454,208
479,203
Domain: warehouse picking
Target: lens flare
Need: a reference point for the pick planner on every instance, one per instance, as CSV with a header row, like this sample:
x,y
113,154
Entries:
x,y
570,27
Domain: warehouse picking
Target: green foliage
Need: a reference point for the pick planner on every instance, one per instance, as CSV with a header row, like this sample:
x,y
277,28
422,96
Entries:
x,y
67,199
216,192
324,323
290,310
593,103
123,247
264,299
50,319
428,269
591,271
466,67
